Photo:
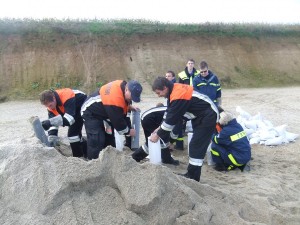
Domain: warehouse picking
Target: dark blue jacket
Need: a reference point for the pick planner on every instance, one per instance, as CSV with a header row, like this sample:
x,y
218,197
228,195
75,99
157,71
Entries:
x,y
208,85
233,138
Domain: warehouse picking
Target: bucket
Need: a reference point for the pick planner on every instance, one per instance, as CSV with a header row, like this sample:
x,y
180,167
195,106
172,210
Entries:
x,y
154,152
119,141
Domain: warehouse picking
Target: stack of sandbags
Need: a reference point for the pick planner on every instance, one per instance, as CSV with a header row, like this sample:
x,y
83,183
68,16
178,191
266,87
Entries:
x,y
261,131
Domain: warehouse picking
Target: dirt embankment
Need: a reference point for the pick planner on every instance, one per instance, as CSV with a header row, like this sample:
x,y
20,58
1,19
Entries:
x,y
29,64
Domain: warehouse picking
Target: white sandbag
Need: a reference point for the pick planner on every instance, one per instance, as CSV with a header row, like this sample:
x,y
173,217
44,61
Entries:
x,y
262,142
251,124
261,125
243,113
240,120
258,116
281,129
249,131
268,123
274,141
266,134
291,136
254,140
253,135
120,139
154,152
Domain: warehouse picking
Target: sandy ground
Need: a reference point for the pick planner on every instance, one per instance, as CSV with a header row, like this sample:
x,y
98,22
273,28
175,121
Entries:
x,y
40,186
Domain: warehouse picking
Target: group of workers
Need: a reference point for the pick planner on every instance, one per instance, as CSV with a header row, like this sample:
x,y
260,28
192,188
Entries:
x,y
196,97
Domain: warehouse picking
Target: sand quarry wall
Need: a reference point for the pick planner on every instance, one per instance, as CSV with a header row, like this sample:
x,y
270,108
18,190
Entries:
x,y
31,63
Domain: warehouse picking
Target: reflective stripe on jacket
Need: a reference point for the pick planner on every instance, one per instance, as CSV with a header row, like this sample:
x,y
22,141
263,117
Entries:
x,y
233,138
109,103
63,95
185,102
186,78
208,85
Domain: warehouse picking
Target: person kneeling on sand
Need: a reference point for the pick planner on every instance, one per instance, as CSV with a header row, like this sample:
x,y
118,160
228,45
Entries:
x,y
151,120
230,146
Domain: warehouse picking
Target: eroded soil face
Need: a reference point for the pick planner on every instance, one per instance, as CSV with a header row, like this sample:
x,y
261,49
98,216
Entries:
x,y
29,65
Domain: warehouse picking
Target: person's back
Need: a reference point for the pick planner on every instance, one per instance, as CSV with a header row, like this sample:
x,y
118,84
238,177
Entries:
x,y
108,107
230,147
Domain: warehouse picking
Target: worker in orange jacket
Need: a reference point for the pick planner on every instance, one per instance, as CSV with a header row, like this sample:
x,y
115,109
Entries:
x,y
108,107
184,102
63,107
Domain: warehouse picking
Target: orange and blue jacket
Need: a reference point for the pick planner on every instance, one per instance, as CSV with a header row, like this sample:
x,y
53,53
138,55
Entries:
x,y
109,103
68,105
185,103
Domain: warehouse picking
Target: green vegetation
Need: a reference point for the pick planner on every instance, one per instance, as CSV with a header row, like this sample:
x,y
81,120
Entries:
x,y
131,27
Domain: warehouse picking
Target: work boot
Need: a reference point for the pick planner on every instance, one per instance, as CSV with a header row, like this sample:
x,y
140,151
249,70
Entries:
x,y
245,167
167,158
220,167
139,154
76,149
179,145
194,172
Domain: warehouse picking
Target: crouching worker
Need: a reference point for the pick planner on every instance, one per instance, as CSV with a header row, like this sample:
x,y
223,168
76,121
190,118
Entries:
x,y
108,107
184,102
63,107
230,146
151,120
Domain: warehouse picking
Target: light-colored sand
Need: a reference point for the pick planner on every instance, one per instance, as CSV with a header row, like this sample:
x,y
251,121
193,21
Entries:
x,y
40,186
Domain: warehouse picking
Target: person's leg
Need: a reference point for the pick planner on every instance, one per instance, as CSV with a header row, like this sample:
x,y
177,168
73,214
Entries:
x,y
74,135
178,129
197,150
167,158
95,136
218,153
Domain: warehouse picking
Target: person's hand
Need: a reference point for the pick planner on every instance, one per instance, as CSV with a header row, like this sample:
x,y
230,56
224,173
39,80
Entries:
x,y
46,124
132,133
154,137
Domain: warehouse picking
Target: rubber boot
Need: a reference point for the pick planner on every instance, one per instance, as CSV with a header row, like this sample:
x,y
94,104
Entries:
x,y
179,145
76,149
128,142
167,158
193,172
139,154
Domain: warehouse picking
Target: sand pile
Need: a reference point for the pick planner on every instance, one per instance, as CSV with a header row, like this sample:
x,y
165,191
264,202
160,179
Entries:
x,y
38,185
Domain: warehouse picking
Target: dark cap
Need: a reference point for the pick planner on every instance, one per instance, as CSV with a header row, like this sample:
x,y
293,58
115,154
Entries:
x,y
135,89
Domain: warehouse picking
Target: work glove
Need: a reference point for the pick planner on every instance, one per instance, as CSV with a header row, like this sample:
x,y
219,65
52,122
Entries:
x,y
53,140
46,124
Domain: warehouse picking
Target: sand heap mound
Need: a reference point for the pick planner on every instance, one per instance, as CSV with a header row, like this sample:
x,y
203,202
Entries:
x,y
40,186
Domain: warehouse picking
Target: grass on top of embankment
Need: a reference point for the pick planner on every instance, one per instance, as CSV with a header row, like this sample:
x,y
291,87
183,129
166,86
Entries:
x,y
130,27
